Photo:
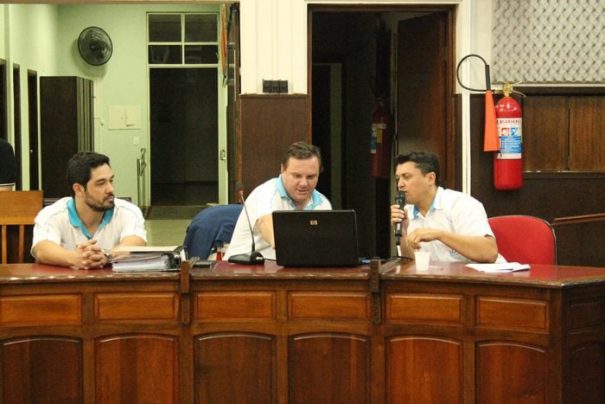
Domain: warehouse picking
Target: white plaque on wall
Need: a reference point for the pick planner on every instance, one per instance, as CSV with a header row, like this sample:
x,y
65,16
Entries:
x,y
122,117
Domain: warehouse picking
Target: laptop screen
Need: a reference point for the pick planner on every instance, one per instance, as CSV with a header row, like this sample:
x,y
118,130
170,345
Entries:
x,y
316,238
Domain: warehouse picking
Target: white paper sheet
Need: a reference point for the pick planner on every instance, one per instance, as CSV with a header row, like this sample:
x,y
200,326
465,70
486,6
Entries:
x,y
505,267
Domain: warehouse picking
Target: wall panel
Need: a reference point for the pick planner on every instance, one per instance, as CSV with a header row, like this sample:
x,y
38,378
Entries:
x,y
268,125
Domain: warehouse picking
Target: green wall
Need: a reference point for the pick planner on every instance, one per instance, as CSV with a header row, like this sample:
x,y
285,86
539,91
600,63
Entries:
x,y
28,35
43,38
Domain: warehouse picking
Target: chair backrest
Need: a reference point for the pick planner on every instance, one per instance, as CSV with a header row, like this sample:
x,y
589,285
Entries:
x,y
213,225
525,239
18,208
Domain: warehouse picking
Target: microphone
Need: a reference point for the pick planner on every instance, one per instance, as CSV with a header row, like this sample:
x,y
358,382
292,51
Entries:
x,y
253,257
399,200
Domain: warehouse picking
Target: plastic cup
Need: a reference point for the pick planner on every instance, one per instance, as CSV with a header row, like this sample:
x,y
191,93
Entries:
x,y
422,259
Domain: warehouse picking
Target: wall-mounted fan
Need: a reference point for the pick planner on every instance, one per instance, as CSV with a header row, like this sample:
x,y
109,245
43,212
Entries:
x,y
95,46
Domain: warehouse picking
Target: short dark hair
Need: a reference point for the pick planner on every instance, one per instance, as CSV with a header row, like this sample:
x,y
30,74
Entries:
x,y
302,151
80,165
425,161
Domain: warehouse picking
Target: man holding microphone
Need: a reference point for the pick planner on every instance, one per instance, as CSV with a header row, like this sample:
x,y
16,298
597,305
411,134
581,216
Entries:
x,y
451,225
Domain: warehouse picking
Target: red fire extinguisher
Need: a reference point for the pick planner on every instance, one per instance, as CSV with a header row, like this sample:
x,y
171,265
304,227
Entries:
x,y
380,142
508,162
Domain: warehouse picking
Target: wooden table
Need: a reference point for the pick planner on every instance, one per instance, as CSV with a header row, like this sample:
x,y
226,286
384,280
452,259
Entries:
x,y
262,334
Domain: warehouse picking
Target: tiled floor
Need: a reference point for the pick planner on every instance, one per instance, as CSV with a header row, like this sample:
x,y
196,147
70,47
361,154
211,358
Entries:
x,y
166,225
173,209
166,232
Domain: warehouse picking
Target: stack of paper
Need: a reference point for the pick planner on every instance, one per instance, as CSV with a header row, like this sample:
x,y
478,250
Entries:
x,y
133,259
505,267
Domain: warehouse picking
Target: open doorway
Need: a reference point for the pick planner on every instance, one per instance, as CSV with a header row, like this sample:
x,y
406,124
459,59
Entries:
x,y
184,136
186,124
403,53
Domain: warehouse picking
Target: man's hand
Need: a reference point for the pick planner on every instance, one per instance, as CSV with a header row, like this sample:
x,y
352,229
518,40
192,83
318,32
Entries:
x,y
89,255
417,236
399,215
265,226
475,248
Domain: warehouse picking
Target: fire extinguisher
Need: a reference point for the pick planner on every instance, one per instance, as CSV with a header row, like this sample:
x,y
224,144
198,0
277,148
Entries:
x,y
380,142
508,162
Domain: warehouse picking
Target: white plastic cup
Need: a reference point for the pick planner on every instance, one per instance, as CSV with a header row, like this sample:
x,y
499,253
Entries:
x,y
422,259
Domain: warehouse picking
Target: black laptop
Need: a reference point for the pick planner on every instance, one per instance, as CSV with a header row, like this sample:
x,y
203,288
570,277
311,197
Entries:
x,y
315,238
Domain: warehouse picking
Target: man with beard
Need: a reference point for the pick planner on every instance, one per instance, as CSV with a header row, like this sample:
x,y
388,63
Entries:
x,y
294,189
81,231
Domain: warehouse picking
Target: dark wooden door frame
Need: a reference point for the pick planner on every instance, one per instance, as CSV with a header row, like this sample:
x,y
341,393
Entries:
x,y
3,102
16,72
32,94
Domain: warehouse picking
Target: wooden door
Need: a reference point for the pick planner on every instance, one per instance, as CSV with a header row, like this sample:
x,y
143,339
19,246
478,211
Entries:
x,y
66,120
423,89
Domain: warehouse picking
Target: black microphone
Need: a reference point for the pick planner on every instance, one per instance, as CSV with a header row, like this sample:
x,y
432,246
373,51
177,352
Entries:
x,y
399,200
254,257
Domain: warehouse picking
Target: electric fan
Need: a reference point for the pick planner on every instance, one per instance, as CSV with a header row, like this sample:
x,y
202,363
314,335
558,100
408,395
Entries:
x,y
95,46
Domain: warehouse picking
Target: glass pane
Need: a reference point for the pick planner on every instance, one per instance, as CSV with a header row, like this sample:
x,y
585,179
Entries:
x,y
164,54
200,28
207,54
164,28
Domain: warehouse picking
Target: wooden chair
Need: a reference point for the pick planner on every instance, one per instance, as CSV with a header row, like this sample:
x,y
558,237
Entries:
x,y
18,208
524,239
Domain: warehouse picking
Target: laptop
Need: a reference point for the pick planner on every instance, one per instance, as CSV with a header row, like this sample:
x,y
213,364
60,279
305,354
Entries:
x,y
315,238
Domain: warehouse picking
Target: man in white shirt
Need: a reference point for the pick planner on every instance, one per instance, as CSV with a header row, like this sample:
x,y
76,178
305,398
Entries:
x,y
449,224
82,230
294,189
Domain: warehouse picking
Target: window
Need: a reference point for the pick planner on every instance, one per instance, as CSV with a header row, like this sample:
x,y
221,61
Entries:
x,y
183,39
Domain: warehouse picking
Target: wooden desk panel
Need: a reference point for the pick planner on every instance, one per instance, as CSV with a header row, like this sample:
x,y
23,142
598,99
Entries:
x,y
524,336
424,307
512,314
88,336
234,367
287,322
328,305
265,334
40,310
424,369
42,369
136,306
235,305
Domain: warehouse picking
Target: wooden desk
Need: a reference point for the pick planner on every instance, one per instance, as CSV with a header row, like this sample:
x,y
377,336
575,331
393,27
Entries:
x,y
88,336
456,335
268,334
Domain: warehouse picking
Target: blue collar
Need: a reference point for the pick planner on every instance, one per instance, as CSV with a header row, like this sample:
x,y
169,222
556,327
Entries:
x,y
316,198
75,221
436,204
